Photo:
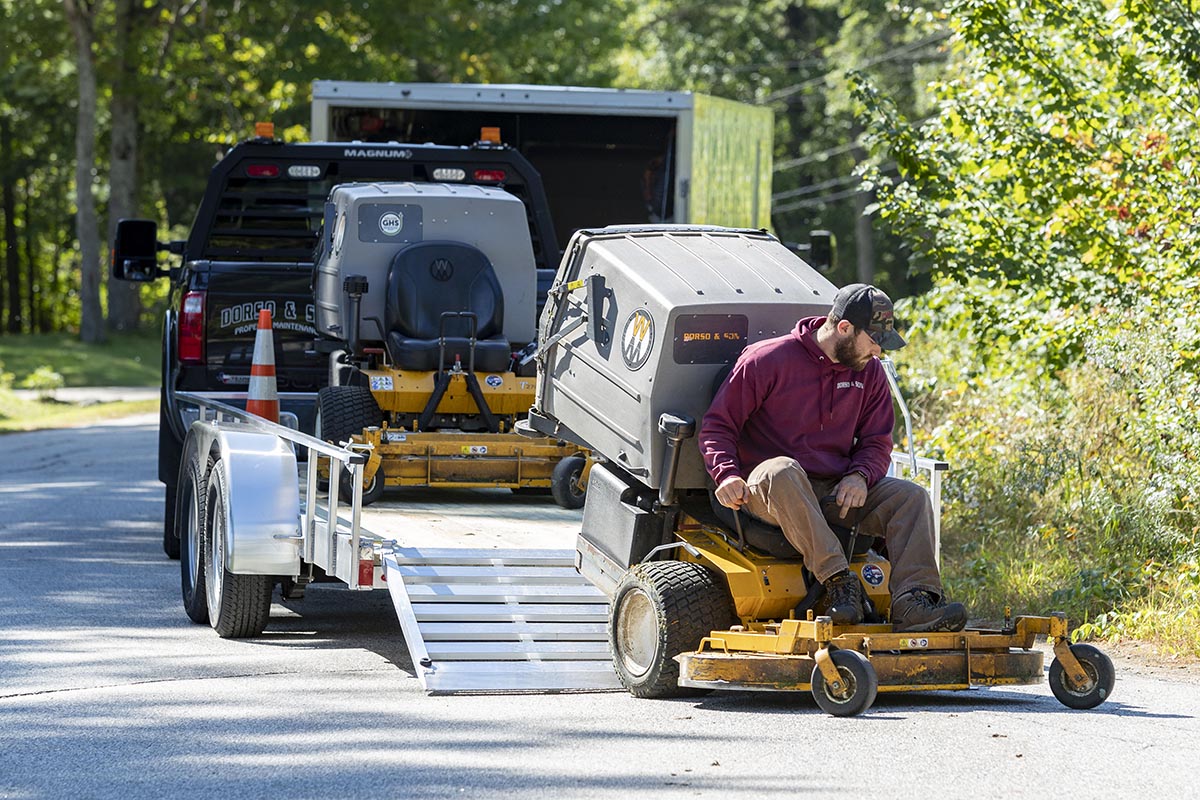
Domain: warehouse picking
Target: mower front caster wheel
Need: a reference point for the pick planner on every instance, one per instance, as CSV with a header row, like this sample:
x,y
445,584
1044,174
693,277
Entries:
x,y
566,482
860,684
372,490
1100,678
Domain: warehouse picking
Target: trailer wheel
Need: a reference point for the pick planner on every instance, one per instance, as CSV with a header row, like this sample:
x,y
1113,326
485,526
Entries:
x,y
193,493
566,482
661,609
170,531
1101,677
862,684
238,605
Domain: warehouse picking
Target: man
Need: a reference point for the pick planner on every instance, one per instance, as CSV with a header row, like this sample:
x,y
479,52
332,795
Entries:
x,y
809,415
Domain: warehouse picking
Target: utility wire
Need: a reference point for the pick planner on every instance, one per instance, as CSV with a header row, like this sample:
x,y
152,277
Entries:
x,y
890,55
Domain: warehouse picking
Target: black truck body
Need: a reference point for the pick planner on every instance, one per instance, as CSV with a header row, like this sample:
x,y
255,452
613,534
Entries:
x,y
251,246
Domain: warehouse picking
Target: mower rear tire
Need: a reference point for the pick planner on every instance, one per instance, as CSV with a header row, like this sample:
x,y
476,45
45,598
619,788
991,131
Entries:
x,y
659,610
343,411
566,482
862,684
1101,677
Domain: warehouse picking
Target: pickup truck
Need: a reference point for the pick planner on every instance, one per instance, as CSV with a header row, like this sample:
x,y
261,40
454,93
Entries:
x,y
251,246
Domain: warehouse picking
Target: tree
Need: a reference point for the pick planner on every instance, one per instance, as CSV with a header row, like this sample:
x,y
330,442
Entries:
x,y
1060,159
81,16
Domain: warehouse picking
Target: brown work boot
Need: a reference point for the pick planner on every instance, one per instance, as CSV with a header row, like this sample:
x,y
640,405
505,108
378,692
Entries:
x,y
919,611
843,597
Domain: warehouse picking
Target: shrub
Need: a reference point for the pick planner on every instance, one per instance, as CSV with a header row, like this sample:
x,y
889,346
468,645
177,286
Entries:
x,y
44,381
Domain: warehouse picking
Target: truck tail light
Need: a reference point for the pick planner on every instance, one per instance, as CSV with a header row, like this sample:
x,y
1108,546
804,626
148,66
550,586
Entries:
x,y
489,175
262,171
191,328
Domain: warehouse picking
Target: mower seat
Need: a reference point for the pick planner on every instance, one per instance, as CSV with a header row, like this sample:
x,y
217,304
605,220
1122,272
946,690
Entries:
x,y
425,281
770,539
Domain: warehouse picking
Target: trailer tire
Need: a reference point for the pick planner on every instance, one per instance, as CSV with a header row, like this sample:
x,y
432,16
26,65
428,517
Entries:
x,y
170,531
659,610
193,493
566,482
238,605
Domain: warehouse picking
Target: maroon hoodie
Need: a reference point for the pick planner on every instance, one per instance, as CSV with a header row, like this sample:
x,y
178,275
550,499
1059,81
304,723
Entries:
x,y
785,397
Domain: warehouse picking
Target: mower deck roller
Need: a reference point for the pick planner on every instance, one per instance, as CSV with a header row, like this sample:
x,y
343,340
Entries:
x,y
638,325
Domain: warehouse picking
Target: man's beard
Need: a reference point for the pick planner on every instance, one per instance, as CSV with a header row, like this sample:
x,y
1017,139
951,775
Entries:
x,y
845,352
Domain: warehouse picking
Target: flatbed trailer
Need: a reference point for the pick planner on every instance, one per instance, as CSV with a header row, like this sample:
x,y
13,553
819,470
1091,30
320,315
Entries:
x,y
255,515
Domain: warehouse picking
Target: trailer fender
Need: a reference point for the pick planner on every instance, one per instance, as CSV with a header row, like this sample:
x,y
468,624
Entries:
x,y
263,503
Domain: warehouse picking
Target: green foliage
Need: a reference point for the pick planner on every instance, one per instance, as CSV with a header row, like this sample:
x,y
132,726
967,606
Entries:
x,y
43,380
1064,487
1053,198
124,360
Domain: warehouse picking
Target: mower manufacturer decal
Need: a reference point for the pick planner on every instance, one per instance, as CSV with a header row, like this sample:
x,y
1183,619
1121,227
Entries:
x,y
914,643
381,383
475,450
442,269
391,223
395,437
872,574
494,381
637,339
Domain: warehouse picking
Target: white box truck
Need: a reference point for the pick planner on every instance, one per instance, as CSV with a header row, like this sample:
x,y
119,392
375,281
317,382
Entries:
x,y
606,156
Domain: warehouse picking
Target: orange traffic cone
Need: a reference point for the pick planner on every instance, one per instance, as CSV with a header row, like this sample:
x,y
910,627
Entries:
x,y
263,397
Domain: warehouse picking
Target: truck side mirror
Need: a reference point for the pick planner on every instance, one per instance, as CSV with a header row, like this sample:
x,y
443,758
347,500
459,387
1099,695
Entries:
x,y
822,250
135,251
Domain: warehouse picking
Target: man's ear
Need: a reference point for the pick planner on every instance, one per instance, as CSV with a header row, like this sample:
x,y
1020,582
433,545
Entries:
x,y
845,326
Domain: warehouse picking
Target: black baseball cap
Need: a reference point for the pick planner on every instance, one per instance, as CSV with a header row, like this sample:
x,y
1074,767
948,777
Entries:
x,y
868,308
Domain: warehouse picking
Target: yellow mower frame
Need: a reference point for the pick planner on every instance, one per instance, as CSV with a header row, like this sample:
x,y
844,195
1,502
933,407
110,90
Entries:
x,y
405,455
662,607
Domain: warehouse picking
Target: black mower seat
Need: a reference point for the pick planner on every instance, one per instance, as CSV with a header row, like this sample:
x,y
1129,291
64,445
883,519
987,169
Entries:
x,y
425,281
760,535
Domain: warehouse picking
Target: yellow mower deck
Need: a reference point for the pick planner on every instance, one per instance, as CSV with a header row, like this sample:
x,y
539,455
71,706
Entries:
x,y
781,656
842,666
462,460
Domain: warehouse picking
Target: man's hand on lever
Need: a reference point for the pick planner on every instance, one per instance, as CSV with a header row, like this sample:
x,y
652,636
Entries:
x,y
733,493
851,492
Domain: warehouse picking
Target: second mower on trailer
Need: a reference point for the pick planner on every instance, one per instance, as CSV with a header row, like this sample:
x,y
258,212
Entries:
x,y
429,292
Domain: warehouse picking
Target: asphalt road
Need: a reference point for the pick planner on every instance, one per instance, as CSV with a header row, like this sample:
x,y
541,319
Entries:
x,y
106,690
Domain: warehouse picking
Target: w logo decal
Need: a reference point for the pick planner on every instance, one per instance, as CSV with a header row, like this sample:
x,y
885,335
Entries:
x,y
637,340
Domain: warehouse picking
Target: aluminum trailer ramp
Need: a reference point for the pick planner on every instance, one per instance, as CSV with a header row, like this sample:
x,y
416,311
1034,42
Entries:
x,y
500,620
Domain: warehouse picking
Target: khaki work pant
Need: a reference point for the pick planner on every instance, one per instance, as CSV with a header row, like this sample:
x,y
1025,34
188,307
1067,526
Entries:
x,y
899,511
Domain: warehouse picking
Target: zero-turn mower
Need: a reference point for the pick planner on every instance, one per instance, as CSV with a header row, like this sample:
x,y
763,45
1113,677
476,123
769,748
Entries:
x,y
428,292
640,323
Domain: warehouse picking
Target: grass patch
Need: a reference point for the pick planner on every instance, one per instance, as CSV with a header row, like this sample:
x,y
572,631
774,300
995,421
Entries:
x,y
124,360
18,414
